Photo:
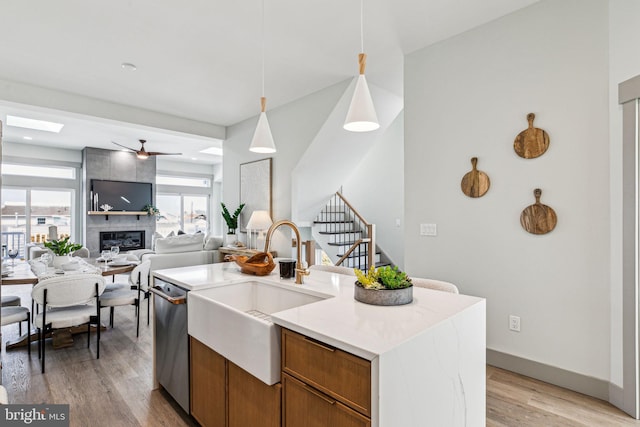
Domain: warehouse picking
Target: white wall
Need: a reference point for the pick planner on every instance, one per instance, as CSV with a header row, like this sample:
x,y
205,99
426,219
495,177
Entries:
x,y
293,127
624,63
376,189
469,96
11,149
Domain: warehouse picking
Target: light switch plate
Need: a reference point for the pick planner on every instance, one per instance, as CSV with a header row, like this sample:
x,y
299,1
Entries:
x,y
428,230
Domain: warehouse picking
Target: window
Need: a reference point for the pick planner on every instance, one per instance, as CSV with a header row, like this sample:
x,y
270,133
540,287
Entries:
x,y
178,212
27,215
183,181
39,171
184,203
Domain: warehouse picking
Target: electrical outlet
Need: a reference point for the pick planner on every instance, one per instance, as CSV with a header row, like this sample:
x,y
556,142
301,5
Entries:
x,y
514,323
428,230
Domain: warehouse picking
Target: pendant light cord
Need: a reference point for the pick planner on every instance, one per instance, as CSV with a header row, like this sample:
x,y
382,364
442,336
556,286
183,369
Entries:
x,y
262,29
361,26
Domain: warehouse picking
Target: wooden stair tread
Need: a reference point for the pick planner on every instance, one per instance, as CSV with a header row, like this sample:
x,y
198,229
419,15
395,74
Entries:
x,y
338,232
357,255
349,243
332,222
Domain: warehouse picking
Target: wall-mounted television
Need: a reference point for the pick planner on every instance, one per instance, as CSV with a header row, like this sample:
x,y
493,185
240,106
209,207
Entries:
x,y
121,195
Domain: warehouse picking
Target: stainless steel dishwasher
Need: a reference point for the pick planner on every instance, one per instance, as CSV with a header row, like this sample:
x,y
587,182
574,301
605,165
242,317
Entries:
x,y
172,341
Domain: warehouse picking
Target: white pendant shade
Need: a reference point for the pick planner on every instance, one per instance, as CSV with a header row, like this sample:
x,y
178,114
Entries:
x,y
362,115
262,141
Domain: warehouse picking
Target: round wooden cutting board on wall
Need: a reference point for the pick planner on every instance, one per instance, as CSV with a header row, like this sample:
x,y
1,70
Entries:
x,y
475,183
538,218
531,142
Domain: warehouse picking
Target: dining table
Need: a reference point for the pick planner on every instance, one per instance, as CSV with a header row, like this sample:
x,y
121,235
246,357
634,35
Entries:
x,y
29,273
22,273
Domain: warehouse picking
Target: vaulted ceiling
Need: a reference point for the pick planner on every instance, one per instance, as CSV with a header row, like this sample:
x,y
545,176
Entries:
x,y
201,59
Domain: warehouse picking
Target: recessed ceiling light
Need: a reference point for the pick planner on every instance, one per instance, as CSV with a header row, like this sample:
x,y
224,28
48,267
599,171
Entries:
x,y
23,122
194,158
128,66
28,138
212,150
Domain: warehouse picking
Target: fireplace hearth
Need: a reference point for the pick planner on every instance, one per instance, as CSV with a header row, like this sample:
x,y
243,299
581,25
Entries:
x,y
125,240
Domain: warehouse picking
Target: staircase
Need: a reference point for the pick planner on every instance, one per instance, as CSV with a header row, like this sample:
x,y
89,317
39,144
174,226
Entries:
x,y
346,237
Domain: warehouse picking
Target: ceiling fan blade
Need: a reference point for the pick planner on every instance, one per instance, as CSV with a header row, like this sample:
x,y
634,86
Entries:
x,y
124,146
155,153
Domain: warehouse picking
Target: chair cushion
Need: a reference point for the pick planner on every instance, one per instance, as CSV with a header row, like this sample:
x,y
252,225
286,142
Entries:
x,y
121,297
11,315
10,300
66,317
116,287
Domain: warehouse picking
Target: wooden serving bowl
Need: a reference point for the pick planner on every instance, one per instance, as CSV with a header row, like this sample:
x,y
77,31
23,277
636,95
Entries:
x,y
259,264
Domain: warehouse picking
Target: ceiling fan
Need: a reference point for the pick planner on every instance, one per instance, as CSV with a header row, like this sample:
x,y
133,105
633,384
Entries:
x,y
144,154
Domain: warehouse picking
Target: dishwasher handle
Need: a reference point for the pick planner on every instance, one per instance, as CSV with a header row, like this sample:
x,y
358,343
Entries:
x,y
158,291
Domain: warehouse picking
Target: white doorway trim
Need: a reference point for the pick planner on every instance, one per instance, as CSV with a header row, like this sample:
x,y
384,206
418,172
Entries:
x,y
629,98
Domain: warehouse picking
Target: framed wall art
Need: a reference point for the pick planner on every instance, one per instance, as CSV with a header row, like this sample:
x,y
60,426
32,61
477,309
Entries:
x,y
255,189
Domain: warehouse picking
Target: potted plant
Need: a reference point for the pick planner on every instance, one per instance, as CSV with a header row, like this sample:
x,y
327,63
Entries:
x,y
151,210
383,286
61,249
232,222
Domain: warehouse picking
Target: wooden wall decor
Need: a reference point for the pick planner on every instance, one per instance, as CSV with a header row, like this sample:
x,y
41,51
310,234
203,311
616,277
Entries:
x,y
531,142
475,183
538,218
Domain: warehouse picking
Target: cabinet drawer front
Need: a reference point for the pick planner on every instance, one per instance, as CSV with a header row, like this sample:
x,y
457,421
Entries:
x,y
336,373
305,406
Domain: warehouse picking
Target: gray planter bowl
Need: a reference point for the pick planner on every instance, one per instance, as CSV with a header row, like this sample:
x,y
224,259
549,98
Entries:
x,y
383,296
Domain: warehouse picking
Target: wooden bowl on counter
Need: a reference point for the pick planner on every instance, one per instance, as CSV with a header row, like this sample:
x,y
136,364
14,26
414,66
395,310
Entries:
x,y
259,264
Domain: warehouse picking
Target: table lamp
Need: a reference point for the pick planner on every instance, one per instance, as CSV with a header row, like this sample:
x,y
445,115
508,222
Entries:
x,y
259,221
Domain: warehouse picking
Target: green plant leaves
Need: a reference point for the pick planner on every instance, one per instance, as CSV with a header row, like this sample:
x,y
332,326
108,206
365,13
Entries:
x,y
231,220
62,246
383,278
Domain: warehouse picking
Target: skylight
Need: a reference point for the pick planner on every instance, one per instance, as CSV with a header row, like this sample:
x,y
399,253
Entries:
x,y
23,122
212,150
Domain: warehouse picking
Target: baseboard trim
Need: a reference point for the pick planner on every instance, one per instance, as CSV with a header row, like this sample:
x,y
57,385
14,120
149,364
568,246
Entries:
x,y
616,396
573,381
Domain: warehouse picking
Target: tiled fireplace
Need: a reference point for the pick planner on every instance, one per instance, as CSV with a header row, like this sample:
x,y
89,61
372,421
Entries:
x,y
116,166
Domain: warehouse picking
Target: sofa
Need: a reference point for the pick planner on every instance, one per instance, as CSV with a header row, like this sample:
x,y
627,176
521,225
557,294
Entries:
x,y
180,251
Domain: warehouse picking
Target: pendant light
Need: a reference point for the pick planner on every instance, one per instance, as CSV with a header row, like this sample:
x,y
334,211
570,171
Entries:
x,y
362,115
262,141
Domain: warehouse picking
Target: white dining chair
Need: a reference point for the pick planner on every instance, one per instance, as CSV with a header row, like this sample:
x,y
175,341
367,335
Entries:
x,y
10,301
67,301
437,285
13,314
133,295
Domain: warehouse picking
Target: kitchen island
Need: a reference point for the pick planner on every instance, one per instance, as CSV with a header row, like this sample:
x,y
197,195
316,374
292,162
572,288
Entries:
x,y
426,358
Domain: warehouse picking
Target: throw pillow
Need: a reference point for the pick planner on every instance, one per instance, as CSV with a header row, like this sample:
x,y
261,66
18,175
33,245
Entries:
x,y
182,243
155,237
212,242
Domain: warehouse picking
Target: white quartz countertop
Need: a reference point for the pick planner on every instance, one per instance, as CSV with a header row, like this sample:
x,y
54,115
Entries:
x,y
339,320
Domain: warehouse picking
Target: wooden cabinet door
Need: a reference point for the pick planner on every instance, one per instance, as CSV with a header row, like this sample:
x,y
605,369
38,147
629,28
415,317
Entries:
x,y
336,373
208,385
305,406
252,402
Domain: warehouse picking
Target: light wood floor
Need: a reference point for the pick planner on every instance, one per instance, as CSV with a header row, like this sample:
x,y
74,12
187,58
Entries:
x,y
116,390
